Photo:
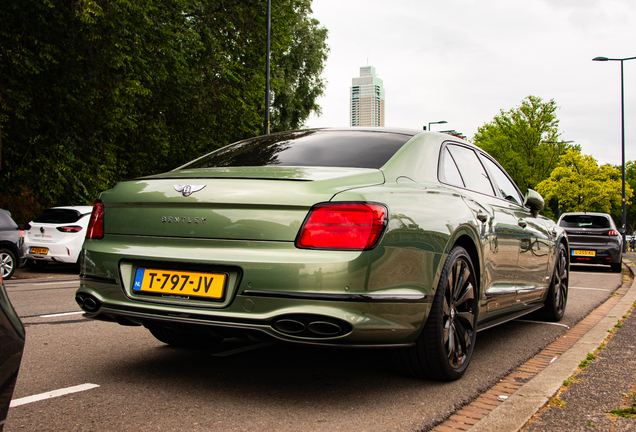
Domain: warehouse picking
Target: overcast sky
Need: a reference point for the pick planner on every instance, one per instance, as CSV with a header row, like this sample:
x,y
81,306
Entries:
x,y
464,60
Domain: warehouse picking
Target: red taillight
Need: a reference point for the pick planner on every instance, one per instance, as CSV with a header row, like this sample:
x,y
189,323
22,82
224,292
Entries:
x,y
356,226
96,224
612,232
70,229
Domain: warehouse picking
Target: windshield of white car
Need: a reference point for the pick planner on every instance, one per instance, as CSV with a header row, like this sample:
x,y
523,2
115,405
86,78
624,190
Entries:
x,y
58,216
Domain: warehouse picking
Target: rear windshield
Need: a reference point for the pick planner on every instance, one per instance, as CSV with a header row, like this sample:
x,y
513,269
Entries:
x,y
354,149
59,216
585,221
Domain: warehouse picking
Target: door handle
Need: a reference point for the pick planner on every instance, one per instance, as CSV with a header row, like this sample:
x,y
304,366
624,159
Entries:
x,y
522,223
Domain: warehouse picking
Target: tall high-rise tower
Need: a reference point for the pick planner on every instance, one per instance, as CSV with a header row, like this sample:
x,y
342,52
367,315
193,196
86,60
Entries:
x,y
367,99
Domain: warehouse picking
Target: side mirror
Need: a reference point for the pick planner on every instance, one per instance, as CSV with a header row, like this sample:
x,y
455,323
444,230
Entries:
x,y
535,201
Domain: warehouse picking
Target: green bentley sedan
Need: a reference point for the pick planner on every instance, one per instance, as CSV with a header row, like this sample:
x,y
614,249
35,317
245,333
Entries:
x,y
351,237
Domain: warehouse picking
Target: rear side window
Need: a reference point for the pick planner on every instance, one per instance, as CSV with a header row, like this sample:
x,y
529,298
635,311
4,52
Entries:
x,y
471,169
449,170
506,187
352,149
584,221
57,216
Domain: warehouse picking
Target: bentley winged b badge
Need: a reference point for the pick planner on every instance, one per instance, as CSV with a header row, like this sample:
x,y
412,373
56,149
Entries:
x,y
188,190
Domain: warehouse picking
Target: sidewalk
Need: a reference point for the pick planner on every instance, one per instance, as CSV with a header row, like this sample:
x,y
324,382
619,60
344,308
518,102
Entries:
x,y
606,384
534,398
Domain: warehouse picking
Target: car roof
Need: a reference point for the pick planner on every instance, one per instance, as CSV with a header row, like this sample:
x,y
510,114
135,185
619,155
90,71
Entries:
x,y
584,214
403,131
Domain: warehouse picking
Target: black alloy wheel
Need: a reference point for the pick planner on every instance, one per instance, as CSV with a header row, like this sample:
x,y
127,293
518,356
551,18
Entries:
x,y
557,299
444,348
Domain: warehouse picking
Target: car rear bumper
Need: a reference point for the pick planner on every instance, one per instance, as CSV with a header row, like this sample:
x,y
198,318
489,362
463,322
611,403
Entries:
x,y
610,254
319,323
52,257
274,290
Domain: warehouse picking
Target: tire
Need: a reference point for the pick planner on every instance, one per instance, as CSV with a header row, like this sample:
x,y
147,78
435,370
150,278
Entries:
x,y
8,263
557,299
616,267
184,340
444,348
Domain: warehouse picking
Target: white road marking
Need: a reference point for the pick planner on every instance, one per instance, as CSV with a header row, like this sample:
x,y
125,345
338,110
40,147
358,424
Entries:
x,y
592,289
61,314
544,322
57,283
51,394
592,273
240,350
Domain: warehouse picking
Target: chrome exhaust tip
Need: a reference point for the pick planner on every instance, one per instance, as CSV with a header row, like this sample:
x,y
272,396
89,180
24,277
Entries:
x,y
88,303
323,328
311,326
289,326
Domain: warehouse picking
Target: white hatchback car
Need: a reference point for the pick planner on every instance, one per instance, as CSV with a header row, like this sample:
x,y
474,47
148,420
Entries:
x,y
57,235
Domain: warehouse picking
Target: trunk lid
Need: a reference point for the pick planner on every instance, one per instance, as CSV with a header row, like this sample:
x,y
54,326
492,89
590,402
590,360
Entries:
x,y
595,236
45,233
240,203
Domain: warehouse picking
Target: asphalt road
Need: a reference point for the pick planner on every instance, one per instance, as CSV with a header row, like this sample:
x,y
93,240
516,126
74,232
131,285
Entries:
x,y
144,385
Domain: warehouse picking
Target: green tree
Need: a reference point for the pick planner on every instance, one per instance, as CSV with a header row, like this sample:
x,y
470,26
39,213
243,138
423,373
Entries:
x,y
517,140
581,184
95,91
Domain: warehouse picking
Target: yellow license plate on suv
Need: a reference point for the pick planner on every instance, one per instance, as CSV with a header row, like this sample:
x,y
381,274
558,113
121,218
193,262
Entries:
x,y
180,283
39,250
584,252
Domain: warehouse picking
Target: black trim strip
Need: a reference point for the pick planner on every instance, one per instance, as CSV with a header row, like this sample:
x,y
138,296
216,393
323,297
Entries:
x,y
99,279
359,298
247,327
505,318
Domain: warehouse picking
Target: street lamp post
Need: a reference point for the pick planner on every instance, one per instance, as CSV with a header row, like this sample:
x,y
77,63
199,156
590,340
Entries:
x,y
438,122
269,30
559,143
624,221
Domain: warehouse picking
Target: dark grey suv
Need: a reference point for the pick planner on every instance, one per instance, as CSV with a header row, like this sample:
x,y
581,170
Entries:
x,y
11,241
594,239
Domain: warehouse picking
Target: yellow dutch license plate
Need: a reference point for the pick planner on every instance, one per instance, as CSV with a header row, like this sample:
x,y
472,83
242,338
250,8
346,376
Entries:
x,y
180,283
39,250
584,252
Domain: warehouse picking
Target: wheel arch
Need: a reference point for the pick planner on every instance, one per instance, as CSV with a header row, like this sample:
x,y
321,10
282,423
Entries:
x,y
11,247
466,237
469,245
564,242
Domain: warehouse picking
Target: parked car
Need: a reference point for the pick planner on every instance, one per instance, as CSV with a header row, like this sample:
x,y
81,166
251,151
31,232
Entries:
x,y
11,347
57,235
330,237
11,242
594,239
